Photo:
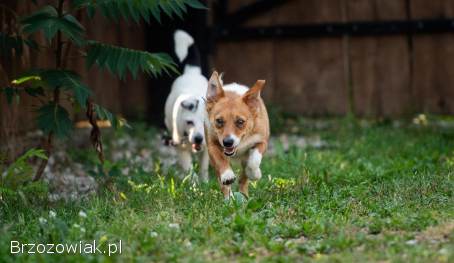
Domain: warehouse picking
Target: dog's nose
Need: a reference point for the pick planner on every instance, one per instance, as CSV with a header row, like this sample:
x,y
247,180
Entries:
x,y
228,141
198,139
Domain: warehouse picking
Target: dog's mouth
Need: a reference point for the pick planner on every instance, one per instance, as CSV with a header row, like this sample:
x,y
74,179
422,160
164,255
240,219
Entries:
x,y
196,147
230,151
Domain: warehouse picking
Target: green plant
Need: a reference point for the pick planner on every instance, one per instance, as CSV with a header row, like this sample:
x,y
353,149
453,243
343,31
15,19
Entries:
x,y
377,193
20,170
63,31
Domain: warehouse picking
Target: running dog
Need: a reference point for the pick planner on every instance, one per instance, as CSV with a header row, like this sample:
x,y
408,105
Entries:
x,y
237,128
185,108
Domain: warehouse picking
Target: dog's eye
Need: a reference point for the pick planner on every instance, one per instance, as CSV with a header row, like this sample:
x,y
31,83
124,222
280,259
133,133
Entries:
x,y
239,123
190,123
219,122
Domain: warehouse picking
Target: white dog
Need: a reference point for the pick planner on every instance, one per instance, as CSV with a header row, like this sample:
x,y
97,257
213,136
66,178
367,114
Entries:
x,y
185,108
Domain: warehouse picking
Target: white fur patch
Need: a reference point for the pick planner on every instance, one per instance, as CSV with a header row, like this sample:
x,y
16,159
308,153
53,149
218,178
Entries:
x,y
253,165
235,87
191,69
236,140
182,42
190,85
255,158
227,176
176,136
253,174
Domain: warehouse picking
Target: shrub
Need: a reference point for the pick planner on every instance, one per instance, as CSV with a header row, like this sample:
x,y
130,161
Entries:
x,y
63,31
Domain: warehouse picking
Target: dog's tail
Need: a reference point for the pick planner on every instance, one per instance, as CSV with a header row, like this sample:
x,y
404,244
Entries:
x,y
186,49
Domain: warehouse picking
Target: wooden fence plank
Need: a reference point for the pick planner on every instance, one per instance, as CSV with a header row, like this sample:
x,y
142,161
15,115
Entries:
x,y
379,65
309,73
15,119
245,62
433,78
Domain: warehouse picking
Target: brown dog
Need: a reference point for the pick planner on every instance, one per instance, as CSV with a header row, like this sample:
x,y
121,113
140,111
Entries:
x,y
237,129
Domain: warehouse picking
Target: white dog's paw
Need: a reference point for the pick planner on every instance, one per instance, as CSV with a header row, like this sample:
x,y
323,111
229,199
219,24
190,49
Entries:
x,y
227,177
253,174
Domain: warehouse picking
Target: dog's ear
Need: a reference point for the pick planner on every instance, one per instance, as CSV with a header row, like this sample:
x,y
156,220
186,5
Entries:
x,y
221,78
251,97
214,90
190,104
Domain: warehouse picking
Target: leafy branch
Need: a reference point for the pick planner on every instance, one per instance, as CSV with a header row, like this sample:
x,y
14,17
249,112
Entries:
x,y
137,9
61,29
119,59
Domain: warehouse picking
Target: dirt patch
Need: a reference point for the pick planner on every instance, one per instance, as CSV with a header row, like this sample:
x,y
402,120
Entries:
x,y
436,234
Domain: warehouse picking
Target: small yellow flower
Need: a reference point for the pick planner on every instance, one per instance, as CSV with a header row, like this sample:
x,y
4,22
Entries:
x,y
123,196
103,239
421,119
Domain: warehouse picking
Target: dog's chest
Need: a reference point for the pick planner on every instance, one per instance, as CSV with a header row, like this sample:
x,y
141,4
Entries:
x,y
239,157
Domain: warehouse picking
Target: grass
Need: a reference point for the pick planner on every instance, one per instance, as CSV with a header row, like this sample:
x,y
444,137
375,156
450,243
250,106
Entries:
x,y
375,193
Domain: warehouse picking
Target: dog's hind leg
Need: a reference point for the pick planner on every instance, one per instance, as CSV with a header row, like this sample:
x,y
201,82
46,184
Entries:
x,y
204,162
244,180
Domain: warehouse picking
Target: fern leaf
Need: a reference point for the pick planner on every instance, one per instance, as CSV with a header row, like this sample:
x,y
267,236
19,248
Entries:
x,y
54,118
137,9
67,80
48,21
53,78
119,59
195,4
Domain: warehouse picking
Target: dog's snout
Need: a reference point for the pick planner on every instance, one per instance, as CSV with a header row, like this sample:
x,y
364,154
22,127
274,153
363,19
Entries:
x,y
228,141
198,139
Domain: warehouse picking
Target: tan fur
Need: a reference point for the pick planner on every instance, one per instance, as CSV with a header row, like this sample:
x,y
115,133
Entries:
x,y
254,133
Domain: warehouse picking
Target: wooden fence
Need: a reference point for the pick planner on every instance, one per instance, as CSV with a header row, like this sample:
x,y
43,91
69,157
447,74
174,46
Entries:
x,y
390,76
371,76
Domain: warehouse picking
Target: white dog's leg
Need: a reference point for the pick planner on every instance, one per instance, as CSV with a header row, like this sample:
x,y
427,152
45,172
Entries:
x,y
184,161
253,165
204,162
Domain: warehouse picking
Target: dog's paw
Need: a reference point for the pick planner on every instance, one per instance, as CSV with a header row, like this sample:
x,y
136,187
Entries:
x,y
253,165
254,160
227,177
253,174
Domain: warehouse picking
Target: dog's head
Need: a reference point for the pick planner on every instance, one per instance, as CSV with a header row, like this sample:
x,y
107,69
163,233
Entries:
x,y
231,115
191,122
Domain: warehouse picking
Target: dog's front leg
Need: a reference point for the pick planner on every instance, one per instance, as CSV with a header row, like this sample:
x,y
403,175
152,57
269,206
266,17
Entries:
x,y
184,161
204,162
223,170
253,162
251,167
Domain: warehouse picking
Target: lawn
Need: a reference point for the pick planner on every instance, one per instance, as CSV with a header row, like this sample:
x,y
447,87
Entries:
x,y
368,192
